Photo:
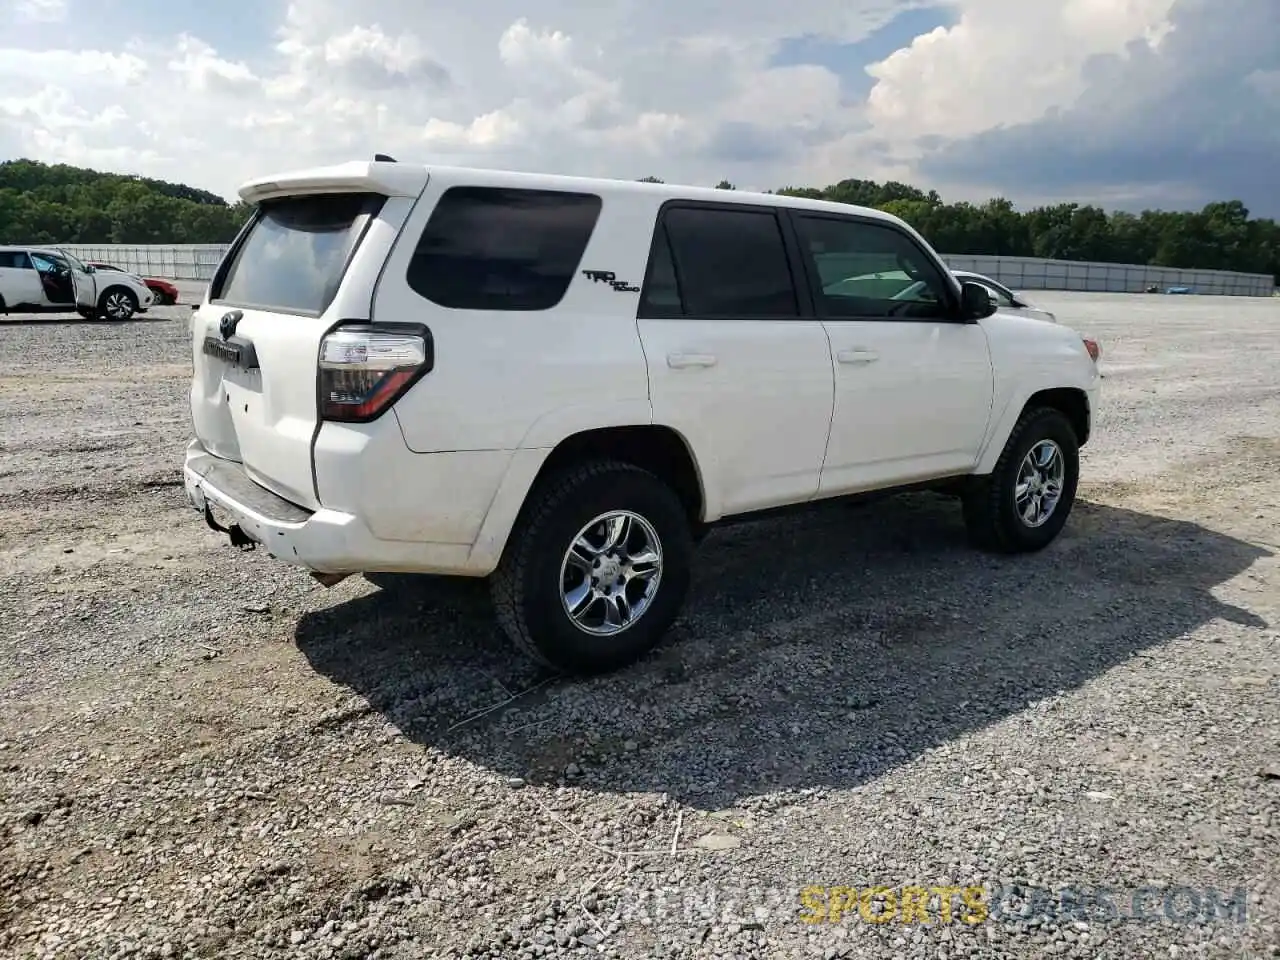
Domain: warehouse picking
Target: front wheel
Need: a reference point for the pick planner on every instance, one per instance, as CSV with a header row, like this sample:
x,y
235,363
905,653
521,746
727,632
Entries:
x,y
597,568
1023,504
118,304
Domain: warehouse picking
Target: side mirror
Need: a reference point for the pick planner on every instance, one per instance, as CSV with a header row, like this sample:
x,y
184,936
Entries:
x,y
976,301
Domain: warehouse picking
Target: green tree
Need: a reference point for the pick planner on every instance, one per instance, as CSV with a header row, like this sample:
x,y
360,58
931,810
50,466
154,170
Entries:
x,y
57,203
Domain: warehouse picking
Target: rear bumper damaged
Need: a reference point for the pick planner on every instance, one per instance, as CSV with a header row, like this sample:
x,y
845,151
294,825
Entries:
x,y
329,543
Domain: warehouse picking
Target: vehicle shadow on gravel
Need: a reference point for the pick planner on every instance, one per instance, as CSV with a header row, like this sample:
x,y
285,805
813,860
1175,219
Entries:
x,y
818,651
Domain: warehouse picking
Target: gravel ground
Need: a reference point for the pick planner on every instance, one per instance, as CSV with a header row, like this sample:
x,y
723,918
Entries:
x,y
204,753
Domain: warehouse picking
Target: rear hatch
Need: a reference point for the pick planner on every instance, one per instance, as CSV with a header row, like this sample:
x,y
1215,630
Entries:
x,y
309,257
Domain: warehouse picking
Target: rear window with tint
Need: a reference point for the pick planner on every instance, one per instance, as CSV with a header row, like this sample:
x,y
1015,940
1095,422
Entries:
x,y
295,253
491,248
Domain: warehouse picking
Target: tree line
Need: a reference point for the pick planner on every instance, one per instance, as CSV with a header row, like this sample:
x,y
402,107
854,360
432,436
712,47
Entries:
x,y
57,203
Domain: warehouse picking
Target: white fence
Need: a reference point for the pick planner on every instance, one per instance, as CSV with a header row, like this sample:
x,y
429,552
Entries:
x,y
198,262
1028,273
181,261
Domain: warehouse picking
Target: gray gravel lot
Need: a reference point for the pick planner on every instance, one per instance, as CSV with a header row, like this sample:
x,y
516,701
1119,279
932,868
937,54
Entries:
x,y
204,753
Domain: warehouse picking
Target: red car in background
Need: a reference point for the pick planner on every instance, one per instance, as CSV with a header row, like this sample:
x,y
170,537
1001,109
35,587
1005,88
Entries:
x,y
166,293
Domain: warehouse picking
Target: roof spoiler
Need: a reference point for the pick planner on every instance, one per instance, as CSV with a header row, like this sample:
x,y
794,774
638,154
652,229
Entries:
x,y
383,175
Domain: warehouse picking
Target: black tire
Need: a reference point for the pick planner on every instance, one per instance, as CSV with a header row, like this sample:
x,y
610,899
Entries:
x,y
4,307
990,515
128,304
527,587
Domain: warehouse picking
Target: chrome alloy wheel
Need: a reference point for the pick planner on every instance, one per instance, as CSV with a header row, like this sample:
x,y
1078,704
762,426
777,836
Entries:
x,y
1040,481
611,572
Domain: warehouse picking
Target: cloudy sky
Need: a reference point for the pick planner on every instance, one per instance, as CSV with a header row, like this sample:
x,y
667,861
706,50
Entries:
x,y
1127,103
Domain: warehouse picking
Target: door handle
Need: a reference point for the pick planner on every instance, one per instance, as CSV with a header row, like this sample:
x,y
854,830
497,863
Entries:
x,y
857,355
678,360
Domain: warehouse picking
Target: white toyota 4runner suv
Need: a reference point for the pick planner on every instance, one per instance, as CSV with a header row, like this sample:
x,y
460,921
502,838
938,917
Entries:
x,y
561,383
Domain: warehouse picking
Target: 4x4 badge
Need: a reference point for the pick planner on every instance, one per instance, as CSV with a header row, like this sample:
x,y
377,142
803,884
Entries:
x,y
227,325
611,278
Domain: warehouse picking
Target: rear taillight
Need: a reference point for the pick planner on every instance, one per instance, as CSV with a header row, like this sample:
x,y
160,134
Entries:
x,y
1095,351
365,369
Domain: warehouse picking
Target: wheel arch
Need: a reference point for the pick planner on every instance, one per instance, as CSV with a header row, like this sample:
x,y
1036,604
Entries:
x,y
658,448
1072,402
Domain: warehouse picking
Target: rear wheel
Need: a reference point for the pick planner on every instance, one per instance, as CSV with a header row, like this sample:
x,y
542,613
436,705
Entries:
x,y
597,568
118,303
1023,504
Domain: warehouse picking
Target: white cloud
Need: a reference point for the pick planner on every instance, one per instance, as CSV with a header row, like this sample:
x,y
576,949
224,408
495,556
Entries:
x,y
1004,62
203,71
522,46
682,90
492,129
1192,119
39,11
90,67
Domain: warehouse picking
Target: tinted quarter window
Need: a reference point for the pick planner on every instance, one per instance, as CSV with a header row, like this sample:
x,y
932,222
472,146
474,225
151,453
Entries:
x,y
294,255
14,260
731,263
867,269
490,248
661,297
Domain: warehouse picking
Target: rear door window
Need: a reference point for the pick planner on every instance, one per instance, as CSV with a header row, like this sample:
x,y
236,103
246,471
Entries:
x,y
729,263
295,253
14,260
497,248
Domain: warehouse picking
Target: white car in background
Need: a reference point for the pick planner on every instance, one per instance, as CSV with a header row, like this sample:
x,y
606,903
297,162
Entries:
x,y
1005,298
50,280
900,285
